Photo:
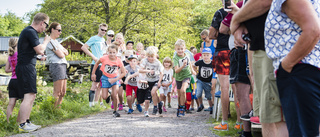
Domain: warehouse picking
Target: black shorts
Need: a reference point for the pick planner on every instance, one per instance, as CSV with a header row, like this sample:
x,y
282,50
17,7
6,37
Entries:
x,y
13,89
27,78
238,66
143,94
98,73
152,84
124,85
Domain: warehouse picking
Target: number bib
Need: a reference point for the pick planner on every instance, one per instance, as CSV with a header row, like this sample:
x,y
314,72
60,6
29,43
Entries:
x,y
182,60
144,85
206,72
110,69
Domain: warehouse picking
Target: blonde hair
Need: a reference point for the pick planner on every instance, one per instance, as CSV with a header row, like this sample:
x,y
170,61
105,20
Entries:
x,y
103,24
113,46
180,42
204,32
167,59
13,43
40,17
152,51
140,44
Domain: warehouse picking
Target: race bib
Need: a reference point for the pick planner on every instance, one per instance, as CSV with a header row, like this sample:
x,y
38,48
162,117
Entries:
x,y
182,60
110,69
166,77
144,85
206,72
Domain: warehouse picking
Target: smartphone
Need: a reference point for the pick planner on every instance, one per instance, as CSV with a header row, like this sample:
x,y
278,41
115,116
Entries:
x,y
227,3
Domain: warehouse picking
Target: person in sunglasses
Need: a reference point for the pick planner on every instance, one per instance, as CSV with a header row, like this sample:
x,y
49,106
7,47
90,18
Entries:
x,y
96,44
57,63
110,36
28,48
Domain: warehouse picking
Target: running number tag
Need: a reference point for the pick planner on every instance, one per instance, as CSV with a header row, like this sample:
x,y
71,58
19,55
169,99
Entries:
x,y
181,61
166,77
110,69
144,85
133,79
206,72
149,74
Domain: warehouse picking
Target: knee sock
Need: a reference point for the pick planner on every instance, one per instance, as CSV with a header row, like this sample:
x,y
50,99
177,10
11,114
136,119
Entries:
x,y
91,95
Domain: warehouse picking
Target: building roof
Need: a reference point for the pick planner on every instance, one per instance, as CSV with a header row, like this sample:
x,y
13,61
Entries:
x,y
70,36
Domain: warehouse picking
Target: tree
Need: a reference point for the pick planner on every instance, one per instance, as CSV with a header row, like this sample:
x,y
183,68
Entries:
x,y
11,25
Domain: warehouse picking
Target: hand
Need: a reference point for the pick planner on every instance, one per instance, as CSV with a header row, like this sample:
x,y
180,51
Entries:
x,y
234,8
43,58
47,38
286,66
238,41
193,93
112,80
185,62
151,72
93,77
126,82
159,84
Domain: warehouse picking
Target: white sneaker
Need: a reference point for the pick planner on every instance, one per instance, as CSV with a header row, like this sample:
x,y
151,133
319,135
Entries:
x,y
34,125
27,128
146,114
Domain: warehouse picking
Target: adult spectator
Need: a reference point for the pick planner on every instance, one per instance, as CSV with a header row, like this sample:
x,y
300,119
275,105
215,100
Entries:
x,y
110,36
57,63
96,44
292,36
222,64
28,48
251,18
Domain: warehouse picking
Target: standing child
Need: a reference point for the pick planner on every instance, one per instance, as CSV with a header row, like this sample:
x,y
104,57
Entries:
x,y
166,81
153,69
131,82
110,78
183,74
189,92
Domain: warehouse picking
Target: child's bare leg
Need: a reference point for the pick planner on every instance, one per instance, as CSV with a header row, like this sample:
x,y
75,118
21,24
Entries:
x,y
114,94
155,97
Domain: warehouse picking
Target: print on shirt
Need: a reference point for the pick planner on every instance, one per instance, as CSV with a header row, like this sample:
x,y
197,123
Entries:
x,y
144,85
110,69
206,72
149,74
182,60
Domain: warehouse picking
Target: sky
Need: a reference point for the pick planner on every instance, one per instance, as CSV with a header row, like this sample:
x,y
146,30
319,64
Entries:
x,y
19,7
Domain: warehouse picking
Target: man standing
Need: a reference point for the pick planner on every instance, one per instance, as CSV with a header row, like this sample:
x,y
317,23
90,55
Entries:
x,y
98,48
28,48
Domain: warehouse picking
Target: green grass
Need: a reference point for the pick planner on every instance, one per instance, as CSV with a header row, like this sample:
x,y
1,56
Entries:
x,y
231,121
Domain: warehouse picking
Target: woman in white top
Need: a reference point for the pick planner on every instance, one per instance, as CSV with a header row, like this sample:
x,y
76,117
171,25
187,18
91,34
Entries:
x,y
57,63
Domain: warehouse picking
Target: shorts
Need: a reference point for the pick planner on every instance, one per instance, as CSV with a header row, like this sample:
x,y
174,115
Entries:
x,y
194,96
179,83
58,71
152,84
129,89
164,90
206,86
14,90
143,94
222,62
123,85
266,102
299,93
98,73
238,66
106,84
27,78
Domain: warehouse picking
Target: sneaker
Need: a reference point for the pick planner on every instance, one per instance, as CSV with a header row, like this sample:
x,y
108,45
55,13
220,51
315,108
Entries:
x,y
191,109
112,105
120,107
221,127
164,109
130,111
33,125
217,94
169,106
160,107
181,112
27,128
139,108
238,126
101,103
146,114
108,99
178,113
247,117
209,109
255,120
116,114
155,110
201,107
188,112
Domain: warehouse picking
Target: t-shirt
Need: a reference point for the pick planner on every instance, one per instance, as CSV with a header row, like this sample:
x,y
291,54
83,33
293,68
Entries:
x,y
167,76
205,71
132,81
222,40
52,57
28,39
155,65
13,63
143,77
186,71
110,68
188,53
197,56
189,88
227,20
255,28
97,44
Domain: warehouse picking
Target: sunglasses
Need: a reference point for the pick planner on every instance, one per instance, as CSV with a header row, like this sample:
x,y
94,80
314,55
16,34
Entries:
x,y
126,56
111,35
59,30
47,25
204,38
103,30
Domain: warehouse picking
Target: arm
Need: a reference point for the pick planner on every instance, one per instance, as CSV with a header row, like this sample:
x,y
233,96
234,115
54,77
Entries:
x,y
122,74
178,69
160,79
85,49
213,33
201,48
194,89
304,15
8,68
224,29
94,69
238,41
130,76
41,47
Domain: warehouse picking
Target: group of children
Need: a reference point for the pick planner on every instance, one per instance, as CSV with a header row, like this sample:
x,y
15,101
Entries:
x,y
145,75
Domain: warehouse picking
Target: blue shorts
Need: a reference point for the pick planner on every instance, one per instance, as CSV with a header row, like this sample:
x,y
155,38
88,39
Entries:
x,y
194,96
106,84
206,86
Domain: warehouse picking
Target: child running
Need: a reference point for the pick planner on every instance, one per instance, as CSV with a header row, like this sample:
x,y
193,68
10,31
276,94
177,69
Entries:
x,y
153,69
166,81
143,94
189,92
110,78
183,74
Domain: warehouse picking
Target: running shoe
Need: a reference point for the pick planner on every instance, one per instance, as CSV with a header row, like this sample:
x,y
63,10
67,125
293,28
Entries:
x,y
160,107
191,109
238,126
255,120
34,125
221,127
188,112
112,105
181,112
146,114
120,107
130,111
27,128
116,114
164,109
169,106
155,110
139,108
178,113
201,107
247,117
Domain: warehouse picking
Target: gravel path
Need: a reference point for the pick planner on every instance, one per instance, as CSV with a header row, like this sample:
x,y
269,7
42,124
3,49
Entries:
x,y
103,124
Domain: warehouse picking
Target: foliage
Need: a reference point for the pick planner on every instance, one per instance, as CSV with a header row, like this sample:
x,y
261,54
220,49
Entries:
x,y
11,25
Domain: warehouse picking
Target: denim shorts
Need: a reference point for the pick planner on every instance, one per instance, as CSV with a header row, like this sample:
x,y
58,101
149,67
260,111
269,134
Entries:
x,y
206,86
106,84
194,96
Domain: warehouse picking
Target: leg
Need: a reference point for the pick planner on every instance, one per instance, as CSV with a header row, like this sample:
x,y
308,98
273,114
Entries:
x,y
57,87
120,95
243,91
114,94
236,101
155,97
12,103
26,106
62,91
146,105
97,94
224,83
105,92
183,89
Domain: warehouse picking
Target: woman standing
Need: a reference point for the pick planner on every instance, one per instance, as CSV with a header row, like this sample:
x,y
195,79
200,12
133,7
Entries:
x,y
57,63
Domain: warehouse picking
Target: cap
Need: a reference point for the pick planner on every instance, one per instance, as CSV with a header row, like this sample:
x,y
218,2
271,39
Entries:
x,y
130,42
110,32
206,50
132,57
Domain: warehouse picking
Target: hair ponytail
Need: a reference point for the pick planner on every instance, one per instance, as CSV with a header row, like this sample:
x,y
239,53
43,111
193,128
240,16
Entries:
x,y
13,42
